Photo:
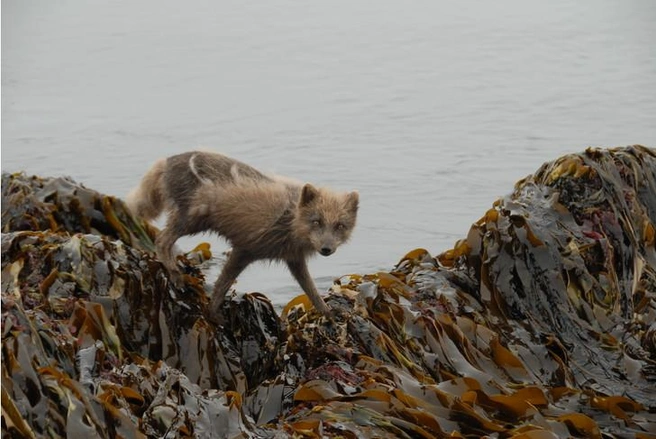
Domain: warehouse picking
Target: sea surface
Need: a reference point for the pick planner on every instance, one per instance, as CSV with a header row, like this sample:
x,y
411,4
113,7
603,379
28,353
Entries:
x,y
430,109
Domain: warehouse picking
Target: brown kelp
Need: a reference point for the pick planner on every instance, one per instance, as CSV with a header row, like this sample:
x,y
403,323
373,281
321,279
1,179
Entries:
x,y
540,323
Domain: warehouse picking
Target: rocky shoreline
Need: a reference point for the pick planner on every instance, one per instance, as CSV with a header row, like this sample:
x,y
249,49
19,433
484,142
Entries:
x,y
540,323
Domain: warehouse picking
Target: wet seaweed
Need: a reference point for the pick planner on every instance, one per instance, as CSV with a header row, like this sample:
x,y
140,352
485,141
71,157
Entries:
x,y
540,323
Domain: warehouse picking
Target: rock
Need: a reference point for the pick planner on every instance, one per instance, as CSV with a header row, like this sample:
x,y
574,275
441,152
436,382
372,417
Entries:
x,y
540,323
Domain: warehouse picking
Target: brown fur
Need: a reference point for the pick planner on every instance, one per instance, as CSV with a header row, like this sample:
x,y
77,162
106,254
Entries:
x,y
263,217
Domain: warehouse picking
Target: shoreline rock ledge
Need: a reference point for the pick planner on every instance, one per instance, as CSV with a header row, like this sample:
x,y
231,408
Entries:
x,y
541,323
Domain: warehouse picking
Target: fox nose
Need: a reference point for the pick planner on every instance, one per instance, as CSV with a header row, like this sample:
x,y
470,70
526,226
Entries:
x,y
326,251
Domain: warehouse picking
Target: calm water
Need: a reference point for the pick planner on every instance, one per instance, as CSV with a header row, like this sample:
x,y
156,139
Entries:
x,y
431,109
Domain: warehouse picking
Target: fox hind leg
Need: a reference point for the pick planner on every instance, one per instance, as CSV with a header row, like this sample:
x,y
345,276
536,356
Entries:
x,y
164,243
234,265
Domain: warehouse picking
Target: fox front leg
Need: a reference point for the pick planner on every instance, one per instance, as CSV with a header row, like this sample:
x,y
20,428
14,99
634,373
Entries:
x,y
299,270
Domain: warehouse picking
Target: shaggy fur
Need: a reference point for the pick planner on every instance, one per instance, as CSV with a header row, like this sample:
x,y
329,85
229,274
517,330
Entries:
x,y
263,217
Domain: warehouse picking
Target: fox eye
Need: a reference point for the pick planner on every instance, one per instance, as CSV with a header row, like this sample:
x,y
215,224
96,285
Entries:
x,y
339,226
316,223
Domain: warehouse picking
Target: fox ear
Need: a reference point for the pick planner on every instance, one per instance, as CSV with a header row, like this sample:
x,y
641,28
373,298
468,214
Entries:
x,y
353,201
308,194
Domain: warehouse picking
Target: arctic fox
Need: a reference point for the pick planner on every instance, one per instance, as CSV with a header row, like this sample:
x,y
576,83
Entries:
x,y
262,216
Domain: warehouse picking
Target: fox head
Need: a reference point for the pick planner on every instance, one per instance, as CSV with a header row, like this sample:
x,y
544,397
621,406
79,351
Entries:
x,y
325,219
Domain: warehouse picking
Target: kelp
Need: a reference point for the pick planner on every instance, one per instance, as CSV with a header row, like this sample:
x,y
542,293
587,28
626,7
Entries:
x,y
539,324
62,205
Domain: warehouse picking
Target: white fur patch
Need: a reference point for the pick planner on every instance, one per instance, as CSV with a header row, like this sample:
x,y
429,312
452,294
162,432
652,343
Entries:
x,y
192,167
234,171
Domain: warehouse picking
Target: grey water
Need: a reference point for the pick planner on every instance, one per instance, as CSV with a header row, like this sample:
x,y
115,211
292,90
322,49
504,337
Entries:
x,y
430,109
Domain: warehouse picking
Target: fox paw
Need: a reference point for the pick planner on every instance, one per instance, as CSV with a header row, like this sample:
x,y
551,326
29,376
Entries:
x,y
323,309
215,311
217,318
333,314
176,278
338,314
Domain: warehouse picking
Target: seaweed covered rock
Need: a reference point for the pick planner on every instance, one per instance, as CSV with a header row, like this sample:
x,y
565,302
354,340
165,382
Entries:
x,y
539,324
570,258
62,205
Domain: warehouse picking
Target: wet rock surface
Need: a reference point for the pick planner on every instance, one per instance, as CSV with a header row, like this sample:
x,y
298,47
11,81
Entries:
x,y
540,323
